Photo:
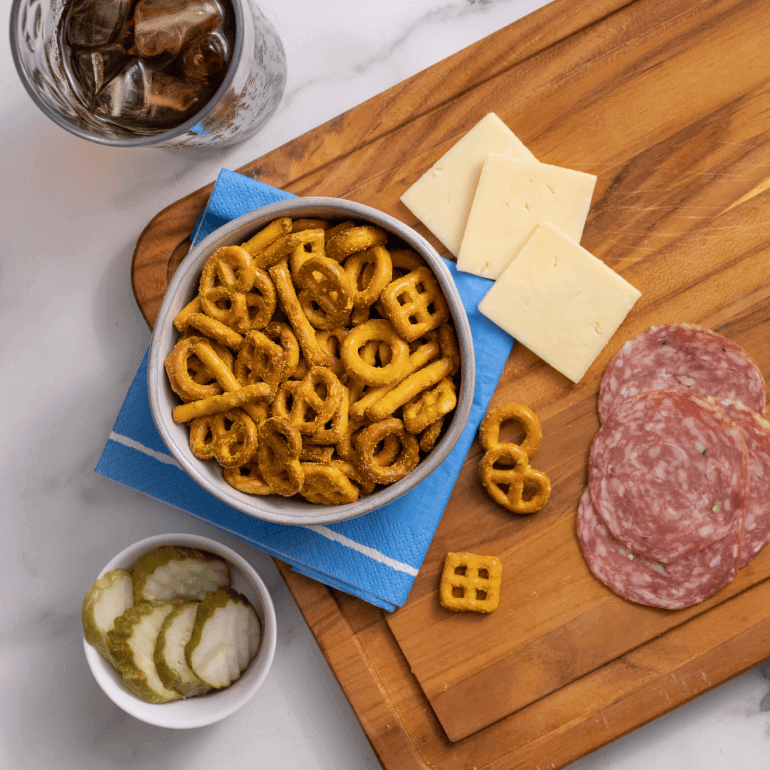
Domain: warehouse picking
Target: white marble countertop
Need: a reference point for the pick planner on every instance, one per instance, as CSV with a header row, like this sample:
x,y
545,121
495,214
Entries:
x,y
71,337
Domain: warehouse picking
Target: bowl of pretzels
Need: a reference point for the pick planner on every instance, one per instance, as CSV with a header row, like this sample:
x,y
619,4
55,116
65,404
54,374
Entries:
x,y
311,361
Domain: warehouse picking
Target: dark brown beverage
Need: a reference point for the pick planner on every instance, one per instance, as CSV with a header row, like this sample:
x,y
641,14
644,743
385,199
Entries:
x,y
146,65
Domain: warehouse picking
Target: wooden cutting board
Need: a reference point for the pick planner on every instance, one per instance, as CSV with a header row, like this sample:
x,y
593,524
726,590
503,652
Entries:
x,y
667,102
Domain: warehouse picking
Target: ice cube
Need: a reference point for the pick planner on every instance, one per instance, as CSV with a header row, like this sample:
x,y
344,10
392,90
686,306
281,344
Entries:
x,y
165,26
95,67
93,23
126,96
171,100
138,97
204,58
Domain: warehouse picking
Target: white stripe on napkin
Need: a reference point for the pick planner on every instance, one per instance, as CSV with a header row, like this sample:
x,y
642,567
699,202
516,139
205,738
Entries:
x,y
319,529
131,444
364,549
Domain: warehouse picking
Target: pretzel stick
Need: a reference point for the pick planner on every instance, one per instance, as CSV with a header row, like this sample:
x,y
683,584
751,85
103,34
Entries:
x,y
227,380
267,235
306,335
406,390
213,404
417,360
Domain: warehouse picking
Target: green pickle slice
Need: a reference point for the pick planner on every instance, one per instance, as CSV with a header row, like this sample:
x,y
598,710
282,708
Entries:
x,y
169,652
176,571
132,647
107,598
225,638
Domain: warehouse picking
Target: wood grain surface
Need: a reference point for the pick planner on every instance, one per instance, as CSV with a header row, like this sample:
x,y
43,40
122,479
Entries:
x,y
666,101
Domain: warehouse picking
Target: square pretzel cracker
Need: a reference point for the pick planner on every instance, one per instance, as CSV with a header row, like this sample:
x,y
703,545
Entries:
x,y
470,583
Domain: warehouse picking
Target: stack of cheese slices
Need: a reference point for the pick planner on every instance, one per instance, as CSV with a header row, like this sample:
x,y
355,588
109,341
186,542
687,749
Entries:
x,y
507,217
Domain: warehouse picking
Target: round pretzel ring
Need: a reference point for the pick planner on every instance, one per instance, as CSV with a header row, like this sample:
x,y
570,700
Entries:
x,y
366,449
489,431
515,478
379,330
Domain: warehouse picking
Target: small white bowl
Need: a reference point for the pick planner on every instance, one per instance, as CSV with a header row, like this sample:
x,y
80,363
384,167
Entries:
x,y
204,709
184,286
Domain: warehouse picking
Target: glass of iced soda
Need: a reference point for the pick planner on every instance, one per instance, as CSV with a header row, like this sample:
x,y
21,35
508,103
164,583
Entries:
x,y
150,73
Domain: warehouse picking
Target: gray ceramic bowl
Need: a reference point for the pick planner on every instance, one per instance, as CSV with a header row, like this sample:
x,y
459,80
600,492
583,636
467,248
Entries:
x,y
183,288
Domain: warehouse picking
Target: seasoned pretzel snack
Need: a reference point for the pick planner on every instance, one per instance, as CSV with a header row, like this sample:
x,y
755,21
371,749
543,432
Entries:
x,y
225,279
470,583
315,360
369,272
229,437
352,239
281,334
325,293
309,403
261,301
267,235
187,374
395,347
327,485
515,479
259,360
278,453
489,431
414,304
248,478
431,406
406,459
306,335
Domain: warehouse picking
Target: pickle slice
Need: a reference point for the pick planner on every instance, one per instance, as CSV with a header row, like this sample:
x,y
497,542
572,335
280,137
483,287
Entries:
x,y
225,638
132,647
172,571
169,652
107,598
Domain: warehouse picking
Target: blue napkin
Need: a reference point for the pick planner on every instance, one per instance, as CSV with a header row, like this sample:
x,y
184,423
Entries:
x,y
375,556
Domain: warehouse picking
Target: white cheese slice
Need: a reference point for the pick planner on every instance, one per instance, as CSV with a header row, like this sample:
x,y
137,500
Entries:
x,y
559,301
512,198
441,198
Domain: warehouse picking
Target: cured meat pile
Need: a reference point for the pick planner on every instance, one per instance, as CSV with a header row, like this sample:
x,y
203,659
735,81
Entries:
x,y
678,495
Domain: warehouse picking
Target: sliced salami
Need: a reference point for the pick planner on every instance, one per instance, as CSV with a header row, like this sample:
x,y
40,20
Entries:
x,y
641,580
756,433
668,474
683,357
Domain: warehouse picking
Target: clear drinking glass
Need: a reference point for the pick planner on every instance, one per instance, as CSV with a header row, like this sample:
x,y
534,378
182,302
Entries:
x,y
245,100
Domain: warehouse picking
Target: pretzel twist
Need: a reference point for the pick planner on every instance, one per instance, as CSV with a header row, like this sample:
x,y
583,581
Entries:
x,y
278,453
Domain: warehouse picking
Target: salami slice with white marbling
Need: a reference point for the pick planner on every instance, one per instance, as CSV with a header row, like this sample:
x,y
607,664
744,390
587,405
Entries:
x,y
683,357
670,586
668,474
756,433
